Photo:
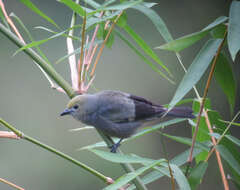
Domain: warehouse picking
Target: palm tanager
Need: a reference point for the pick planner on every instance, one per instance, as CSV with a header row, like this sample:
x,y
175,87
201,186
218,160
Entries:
x,y
119,114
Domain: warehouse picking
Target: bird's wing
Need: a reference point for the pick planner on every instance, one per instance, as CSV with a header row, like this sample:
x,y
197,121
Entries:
x,y
122,107
145,109
116,106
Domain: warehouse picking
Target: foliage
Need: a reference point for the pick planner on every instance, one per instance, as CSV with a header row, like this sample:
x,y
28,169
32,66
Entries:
x,y
108,21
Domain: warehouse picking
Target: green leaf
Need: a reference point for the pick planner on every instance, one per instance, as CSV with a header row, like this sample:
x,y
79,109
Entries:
x,y
145,47
219,31
75,7
186,41
187,141
233,139
196,70
180,178
2,16
91,21
37,43
233,123
139,134
196,105
229,158
153,67
196,175
110,40
179,160
30,36
122,6
130,176
123,158
203,133
156,20
31,6
183,42
122,21
234,29
224,76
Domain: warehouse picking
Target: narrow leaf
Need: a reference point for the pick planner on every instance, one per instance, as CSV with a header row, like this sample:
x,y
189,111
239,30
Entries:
x,y
121,6
123,158
145,47
234,29
196,175
75,7
224,77
233,139
37,43
186,41
31,6
179,160
130,176
203,133
229,158
153,67
180,178
196,70
156,20
187,141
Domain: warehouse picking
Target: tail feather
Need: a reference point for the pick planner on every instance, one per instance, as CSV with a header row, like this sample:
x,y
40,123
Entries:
x,y
184,112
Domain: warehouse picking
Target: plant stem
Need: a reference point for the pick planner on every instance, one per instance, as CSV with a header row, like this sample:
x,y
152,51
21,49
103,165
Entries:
x,y
61,82
40,61
127,167
11,184
53,150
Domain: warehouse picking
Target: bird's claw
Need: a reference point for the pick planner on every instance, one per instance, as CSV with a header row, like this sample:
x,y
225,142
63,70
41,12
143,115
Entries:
x,y
114,148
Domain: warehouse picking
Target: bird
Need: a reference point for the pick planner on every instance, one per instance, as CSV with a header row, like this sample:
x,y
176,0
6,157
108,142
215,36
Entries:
x,y
119,114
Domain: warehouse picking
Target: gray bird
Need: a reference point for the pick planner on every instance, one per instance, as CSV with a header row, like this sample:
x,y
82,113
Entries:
x,y
119,114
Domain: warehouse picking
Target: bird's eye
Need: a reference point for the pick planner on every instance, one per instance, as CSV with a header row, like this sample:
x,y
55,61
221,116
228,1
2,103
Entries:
x,y
75,106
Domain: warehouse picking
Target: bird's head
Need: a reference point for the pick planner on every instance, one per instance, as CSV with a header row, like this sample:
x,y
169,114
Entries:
x,y
79,106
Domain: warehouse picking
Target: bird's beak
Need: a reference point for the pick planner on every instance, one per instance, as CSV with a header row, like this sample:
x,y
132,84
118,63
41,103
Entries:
x,y
67,112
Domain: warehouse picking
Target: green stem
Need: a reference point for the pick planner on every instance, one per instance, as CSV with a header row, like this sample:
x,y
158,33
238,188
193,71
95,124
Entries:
x,y
40,61
62,83
127,167
53,150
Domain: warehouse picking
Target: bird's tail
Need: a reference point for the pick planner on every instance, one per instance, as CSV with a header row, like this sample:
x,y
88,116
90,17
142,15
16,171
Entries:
x,y
184,112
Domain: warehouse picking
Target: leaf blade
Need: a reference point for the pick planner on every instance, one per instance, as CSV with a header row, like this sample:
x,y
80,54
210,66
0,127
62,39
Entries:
x,y
196,70
234,29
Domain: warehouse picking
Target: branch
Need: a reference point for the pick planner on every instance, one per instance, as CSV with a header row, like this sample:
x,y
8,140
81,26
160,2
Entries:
x,y
40,61
53,150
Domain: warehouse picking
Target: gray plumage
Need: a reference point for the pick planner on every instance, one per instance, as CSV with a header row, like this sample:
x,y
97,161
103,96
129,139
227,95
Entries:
x,y
117,113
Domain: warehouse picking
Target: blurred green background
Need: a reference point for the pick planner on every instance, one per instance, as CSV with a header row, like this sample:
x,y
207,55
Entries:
x,y
28,103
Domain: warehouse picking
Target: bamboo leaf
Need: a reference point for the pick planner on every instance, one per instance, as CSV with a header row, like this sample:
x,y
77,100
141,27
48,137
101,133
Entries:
x,y
123,158
196,70
186,41
153,67
130,176
75,7
225,78
234,29
139,134
187,141
37,43
156,20
180,178
196,175
179,160
229,158
145,47
233,139
33,7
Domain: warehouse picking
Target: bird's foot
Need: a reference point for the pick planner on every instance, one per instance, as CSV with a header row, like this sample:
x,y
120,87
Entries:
x,y
115,146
